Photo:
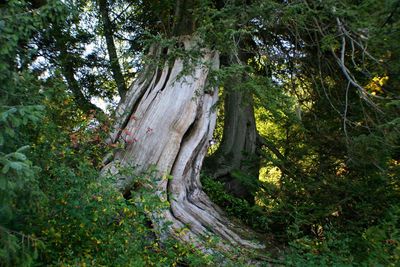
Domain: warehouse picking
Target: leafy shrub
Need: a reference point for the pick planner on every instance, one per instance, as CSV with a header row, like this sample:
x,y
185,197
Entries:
x,y
20,195
235,207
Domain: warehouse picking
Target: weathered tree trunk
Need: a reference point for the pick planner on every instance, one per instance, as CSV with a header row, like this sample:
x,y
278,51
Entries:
x,y
167,121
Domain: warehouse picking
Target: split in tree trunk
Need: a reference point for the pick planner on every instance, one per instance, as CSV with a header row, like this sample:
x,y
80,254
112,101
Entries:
x,y
167,121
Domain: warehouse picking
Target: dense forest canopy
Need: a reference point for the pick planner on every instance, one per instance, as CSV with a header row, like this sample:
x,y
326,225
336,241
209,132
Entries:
x,y
258,132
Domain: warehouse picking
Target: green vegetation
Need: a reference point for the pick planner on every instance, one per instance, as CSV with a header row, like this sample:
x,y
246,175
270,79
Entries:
x,y
324,78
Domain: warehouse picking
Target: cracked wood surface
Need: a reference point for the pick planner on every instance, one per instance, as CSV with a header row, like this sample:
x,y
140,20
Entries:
x,y
167,121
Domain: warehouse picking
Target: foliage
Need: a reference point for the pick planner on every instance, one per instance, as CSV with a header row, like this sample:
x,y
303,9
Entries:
x,y
235,207
62,213
92,224
335,158
331,154
19,190
20,114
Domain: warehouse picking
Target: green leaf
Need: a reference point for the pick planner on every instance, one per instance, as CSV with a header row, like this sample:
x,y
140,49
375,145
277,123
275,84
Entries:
x,y
5,169
4,115
3,184
16,165
33,118
10,131
40,107
16,122
19,156
23,148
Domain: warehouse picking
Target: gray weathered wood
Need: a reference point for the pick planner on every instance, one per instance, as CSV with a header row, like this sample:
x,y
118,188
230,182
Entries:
x,y
167,121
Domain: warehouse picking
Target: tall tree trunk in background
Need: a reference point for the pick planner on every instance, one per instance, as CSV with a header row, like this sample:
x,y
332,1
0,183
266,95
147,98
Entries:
x,y
112,51
167,121
234,162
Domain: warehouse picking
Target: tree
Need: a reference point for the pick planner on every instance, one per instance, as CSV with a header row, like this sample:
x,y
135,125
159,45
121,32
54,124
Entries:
x,y
236,162
112,52
173,143
167,121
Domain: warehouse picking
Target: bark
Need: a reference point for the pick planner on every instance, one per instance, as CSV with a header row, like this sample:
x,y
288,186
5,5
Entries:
x,y
112,51
168,120
235,162
184,22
